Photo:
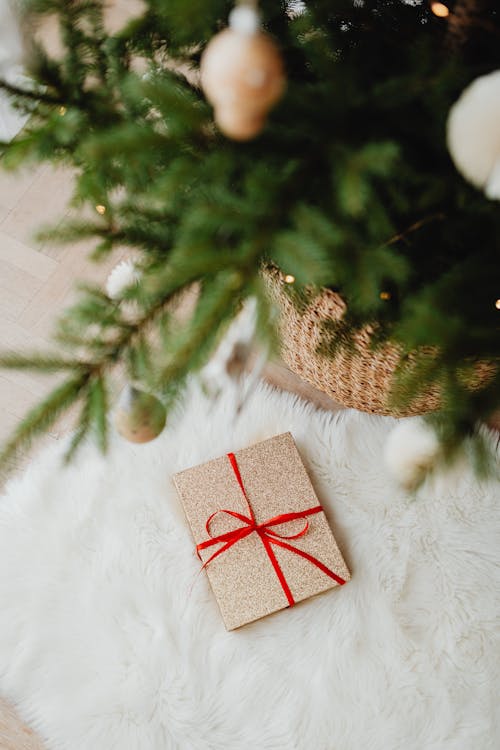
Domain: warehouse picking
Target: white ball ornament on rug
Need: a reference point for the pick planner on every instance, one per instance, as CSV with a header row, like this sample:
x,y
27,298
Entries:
x,y
242,75
474,134
411,451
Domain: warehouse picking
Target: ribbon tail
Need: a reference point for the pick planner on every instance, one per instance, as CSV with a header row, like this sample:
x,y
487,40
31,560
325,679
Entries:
x,y
308,557
277,569
216,554
235,538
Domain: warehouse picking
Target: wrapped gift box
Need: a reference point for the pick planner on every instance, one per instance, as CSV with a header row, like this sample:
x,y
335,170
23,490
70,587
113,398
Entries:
x,y
260,531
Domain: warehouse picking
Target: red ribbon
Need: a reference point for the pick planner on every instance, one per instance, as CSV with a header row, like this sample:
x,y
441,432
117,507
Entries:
x,y
266,533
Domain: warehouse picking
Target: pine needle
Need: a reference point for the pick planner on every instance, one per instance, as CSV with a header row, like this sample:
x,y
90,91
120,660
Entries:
x,y
43,416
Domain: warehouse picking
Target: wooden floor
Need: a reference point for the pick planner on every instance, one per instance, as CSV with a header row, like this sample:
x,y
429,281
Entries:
x,y
14,735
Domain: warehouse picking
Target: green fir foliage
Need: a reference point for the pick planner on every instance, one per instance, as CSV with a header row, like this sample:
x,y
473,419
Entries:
x,y
350,185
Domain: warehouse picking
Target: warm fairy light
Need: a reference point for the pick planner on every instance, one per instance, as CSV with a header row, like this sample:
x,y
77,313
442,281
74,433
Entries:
x,y
440,10
289,279
100,209
385,295
62,111
497,304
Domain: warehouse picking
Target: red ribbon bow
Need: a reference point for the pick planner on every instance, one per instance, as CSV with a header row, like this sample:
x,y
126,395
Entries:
x,y
266,533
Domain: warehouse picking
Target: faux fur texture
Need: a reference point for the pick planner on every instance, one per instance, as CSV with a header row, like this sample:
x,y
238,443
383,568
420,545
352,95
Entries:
x,y
104,645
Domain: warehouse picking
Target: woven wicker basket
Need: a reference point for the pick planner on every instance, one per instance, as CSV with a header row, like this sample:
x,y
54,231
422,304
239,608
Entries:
x,y
355,377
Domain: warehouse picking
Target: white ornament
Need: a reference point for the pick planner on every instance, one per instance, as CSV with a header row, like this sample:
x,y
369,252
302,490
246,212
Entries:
x,y
236,343
411,450
122,277
474,133
238,360
492,189
244,20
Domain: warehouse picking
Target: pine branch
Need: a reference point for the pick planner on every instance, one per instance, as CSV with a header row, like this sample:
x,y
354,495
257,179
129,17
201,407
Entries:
x,y
41,362
353,152
415,227
44,415
33,95
98,406
82,429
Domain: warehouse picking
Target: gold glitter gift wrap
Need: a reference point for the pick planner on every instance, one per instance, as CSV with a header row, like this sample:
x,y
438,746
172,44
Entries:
x,y
261,534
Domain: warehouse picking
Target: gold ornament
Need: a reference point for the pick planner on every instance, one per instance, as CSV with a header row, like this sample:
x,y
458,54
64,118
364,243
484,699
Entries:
x,y
139,417
242,75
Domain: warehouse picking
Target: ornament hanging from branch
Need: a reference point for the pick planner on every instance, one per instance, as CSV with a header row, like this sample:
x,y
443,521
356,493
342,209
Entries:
x,y
242,75
139,416
237,363
474,133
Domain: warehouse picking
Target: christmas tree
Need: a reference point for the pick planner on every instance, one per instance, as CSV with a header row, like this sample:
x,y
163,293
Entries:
x,y
348,183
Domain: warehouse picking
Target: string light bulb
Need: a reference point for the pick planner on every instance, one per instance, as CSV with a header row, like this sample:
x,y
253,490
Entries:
x,y
100,209
497,304
440,10
385,295
289,279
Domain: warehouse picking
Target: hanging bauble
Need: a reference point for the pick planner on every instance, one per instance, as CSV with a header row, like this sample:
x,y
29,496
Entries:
x,y
139,416
242,75
474,133
231,360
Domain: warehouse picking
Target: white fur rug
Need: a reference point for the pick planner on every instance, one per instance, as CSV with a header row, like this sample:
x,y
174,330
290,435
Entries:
x,y
102,646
